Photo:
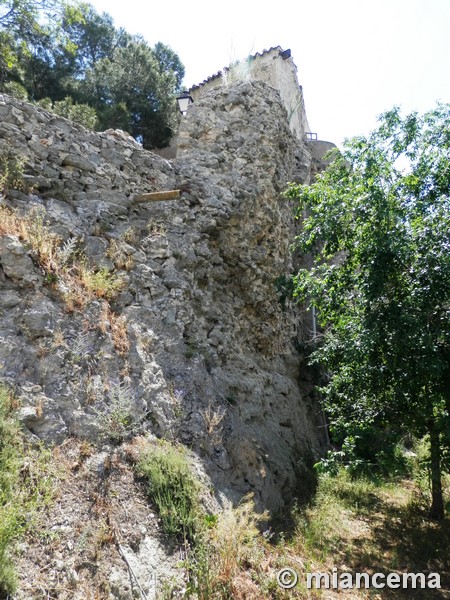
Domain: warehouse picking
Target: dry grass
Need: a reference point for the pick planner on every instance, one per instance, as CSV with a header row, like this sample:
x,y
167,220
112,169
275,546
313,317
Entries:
x,y
235,541
31,229
119,252
61,263
99,284
117,326
355,526
213,420
228,551
156,228
360,526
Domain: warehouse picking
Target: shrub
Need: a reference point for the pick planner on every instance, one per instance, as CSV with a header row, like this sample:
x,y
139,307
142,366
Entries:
x,y
173,488
231,547
15,89
11,173
102,283
116,419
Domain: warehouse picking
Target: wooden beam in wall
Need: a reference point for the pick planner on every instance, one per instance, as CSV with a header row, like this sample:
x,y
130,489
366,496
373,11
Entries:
x,y
156,196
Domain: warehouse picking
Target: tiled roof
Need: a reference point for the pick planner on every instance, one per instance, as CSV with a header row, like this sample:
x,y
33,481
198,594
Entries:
x,y
220,73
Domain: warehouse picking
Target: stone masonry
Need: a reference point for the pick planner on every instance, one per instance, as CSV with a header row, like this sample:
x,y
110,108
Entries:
x,y
214,358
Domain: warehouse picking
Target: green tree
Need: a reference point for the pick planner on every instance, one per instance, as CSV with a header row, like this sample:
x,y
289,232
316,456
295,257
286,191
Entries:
x,y
168,61
80,113
70,54
377,224
29,37
17,19
133,79
22,18
89,36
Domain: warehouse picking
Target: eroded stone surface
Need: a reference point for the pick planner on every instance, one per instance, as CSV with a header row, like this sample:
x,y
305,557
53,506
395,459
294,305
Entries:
x,y
213,359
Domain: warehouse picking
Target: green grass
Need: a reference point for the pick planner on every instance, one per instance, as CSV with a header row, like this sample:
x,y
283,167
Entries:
x,y
340,505
9,478
172,487
355,524
373,526
25,487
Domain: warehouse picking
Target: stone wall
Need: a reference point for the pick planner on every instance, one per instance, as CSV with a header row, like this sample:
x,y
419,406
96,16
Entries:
x,y
214,358
320,157
274,67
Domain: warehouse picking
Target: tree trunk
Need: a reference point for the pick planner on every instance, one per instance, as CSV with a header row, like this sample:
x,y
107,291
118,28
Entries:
x,y
437,501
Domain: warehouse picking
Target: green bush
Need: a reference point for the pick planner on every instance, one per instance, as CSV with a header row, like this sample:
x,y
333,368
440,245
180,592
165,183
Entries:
x,y
11,173
15,89
102,283
367,451
79,113
173,488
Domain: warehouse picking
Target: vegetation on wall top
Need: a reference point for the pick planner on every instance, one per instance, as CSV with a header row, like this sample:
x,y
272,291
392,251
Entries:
x,y
68,57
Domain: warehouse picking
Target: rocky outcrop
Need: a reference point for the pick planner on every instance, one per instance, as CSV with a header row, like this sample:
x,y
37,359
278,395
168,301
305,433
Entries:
x,y
210,355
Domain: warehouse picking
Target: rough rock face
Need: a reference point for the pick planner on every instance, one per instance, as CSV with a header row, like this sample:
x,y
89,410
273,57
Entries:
x,y
213,358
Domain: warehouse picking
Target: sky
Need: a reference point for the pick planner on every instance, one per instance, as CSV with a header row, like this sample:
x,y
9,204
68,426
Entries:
x,y
355,58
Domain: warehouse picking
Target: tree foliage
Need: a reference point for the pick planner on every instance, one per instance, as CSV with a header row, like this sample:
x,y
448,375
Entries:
x,y
75,57
377,224
92,36
132,79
